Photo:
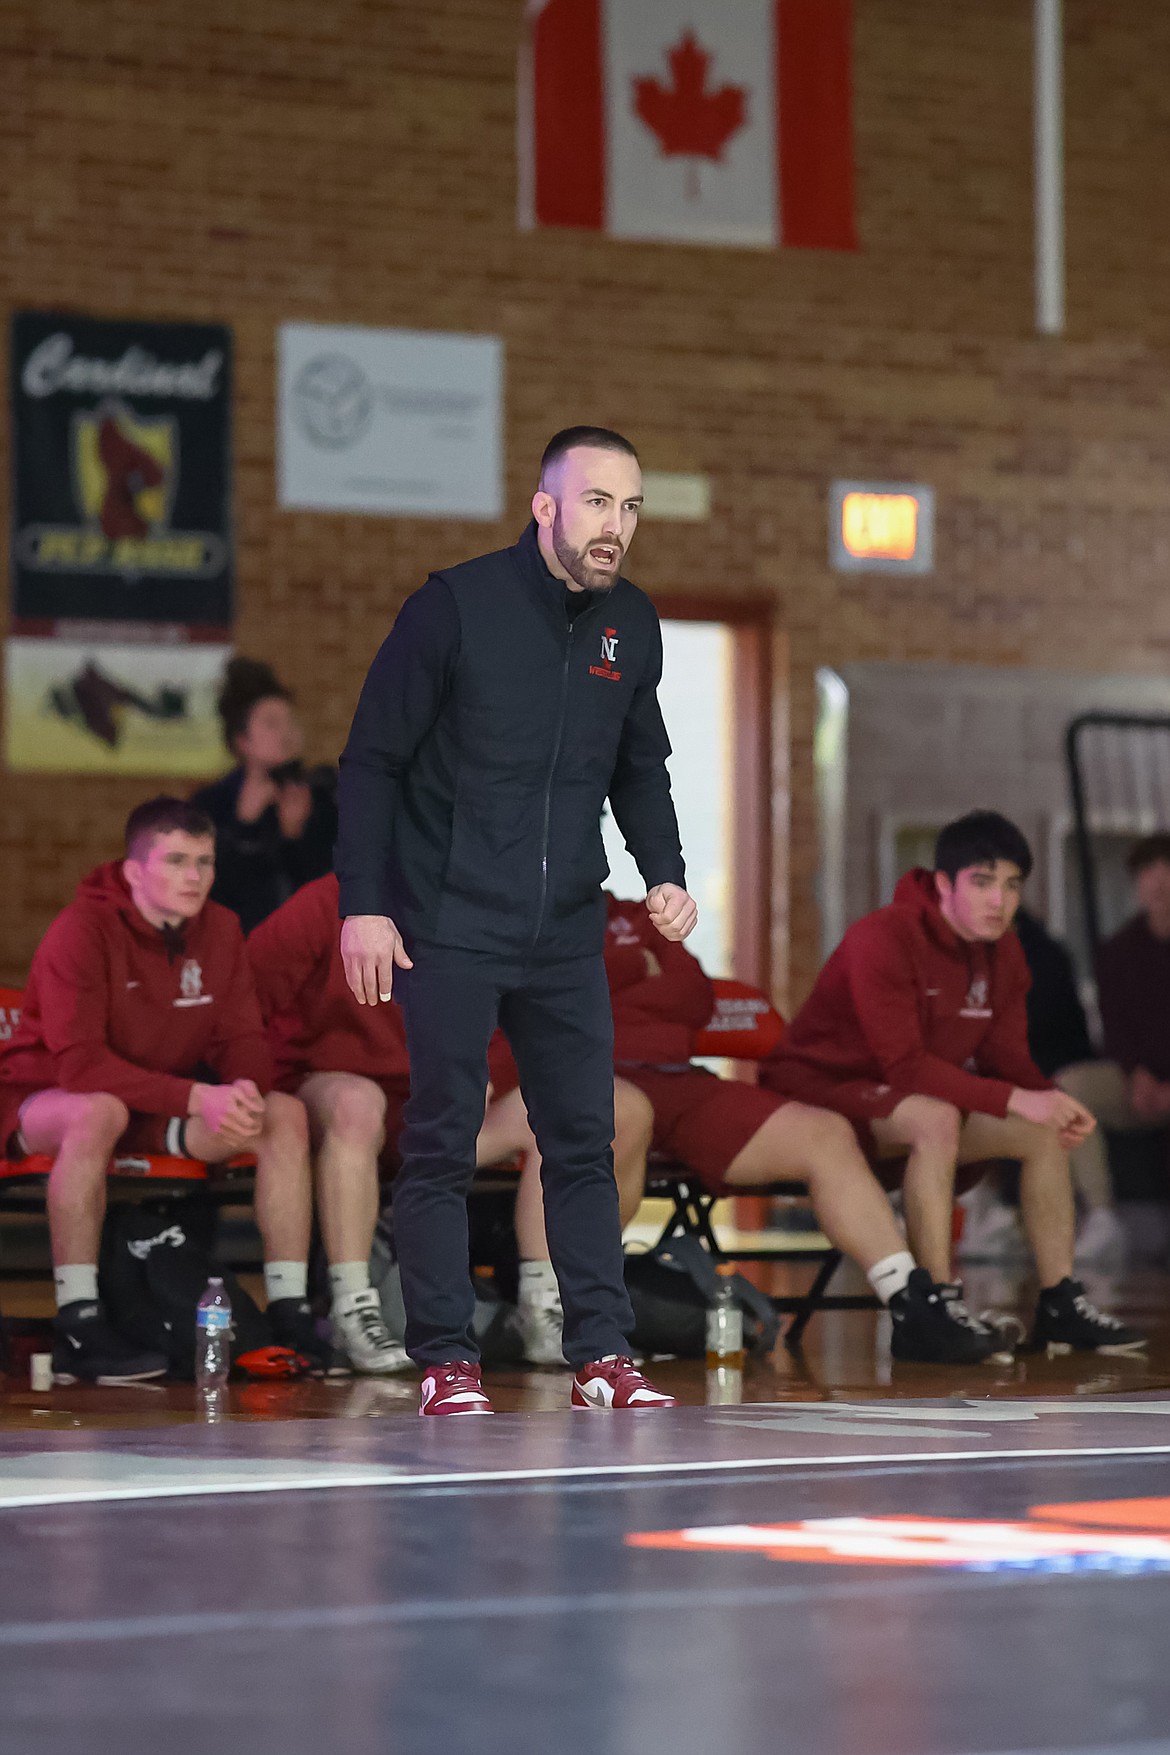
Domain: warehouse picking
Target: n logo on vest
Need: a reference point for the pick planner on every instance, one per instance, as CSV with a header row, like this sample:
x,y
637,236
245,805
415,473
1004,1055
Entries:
x,y
609,644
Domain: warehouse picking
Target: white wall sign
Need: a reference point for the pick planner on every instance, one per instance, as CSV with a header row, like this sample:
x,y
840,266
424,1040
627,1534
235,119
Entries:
x,y
394,421
686,498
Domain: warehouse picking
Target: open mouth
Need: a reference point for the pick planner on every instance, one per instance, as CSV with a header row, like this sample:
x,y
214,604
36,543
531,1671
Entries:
x,y
603,554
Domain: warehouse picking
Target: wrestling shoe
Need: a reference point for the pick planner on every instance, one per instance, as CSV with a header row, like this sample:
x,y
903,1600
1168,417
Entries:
x,y
992,1232
932,1325
615,1382
293,1325
539,1319
1066,1322
453,1388
360,1332
1101,1240
87,1349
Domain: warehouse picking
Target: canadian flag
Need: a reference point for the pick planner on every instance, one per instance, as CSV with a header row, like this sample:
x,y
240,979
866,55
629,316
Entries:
x,y
706,121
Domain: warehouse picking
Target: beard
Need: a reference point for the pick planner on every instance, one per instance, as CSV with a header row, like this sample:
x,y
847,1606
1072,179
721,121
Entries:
x,y
577,564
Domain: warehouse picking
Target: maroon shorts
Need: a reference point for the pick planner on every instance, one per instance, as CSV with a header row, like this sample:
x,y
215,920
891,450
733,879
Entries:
x,y
861,1102
701,1120
145,1136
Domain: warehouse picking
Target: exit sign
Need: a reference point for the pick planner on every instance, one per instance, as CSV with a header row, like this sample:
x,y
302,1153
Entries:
x,y
881,527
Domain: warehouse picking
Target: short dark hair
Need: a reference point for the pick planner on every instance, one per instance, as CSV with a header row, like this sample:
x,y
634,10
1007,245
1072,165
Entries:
x,y
246,681
163,816
980,838
571,438
1148,851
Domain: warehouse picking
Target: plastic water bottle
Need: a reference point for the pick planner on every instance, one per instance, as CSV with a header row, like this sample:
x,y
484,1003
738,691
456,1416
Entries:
x,y
213,1337
724,1386
724,1323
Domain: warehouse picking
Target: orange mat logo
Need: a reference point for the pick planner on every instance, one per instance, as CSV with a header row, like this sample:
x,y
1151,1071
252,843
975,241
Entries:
x,y
1111,1535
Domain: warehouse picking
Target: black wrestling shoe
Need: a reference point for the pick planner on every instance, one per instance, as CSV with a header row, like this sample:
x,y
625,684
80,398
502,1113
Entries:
x,y
932,1326
86,1349
293,1325
1066,1322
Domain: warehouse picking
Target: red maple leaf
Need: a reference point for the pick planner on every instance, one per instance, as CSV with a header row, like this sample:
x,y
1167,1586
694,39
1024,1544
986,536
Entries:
x,y
689,120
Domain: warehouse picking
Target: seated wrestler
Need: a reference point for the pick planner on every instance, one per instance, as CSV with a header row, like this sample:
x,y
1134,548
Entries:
x,y
141,1032
916,1031
1129,1090
348,1064
737,1135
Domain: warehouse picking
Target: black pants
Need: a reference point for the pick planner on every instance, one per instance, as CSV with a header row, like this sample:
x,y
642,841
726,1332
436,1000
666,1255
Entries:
x,y
558,1021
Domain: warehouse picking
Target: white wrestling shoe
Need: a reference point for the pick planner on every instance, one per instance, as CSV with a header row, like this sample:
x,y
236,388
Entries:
x,y
360,1332
1101,1239
992,1232
539,1318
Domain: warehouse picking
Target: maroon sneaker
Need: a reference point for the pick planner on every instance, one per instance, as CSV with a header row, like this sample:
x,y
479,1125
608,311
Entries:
x,y
453,1389
616,1383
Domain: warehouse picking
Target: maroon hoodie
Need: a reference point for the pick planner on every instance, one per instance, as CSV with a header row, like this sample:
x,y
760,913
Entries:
x,y
905,1007
655,1016
314,1022
114,1004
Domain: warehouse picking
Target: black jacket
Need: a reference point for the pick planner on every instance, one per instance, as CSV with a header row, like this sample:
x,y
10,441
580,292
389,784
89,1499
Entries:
x,y
1058,1031
256,867
499,715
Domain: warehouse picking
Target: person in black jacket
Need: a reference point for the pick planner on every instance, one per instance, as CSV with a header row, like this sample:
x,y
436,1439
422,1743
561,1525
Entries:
x,y
514,694
275,821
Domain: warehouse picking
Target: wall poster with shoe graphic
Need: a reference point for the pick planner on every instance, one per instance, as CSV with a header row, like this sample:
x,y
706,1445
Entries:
x,y
121,562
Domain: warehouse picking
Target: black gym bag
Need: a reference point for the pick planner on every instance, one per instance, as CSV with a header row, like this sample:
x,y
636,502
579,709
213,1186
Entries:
x,y
673,1286
156,1260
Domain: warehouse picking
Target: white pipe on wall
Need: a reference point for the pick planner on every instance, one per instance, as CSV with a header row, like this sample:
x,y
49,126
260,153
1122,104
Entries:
x,y
1048,130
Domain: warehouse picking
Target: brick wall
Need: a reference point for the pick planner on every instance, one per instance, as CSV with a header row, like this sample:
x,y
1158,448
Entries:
x,y
353,160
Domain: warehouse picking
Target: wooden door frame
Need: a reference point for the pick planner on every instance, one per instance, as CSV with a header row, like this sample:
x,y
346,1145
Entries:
x,y
758,759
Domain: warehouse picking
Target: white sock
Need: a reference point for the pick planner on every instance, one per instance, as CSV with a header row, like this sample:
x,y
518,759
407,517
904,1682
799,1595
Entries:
x,y
891,1274
286,1279
76,1283
346,1277
536,1277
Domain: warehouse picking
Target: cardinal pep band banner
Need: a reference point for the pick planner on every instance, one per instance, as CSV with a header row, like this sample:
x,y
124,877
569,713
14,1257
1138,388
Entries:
x,y
121,555
697,121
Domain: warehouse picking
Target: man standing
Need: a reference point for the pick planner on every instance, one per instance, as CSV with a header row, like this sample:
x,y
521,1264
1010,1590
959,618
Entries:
x,y
514,694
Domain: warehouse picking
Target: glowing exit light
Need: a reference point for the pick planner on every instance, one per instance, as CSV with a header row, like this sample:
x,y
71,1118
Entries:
x,y
881,527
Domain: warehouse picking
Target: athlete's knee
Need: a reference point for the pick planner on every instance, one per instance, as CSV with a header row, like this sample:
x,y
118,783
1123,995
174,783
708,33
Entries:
x,y
1081,1080
802,1140
286,1119
97,1119
829,1135
1034,1143
927,1122
357,1112
633,1115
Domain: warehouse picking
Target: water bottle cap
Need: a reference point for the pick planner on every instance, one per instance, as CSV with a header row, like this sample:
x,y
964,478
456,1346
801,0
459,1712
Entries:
x,y
725,1268
215,1280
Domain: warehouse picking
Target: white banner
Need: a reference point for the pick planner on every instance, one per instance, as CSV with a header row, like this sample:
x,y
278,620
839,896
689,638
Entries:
x,y
400,422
